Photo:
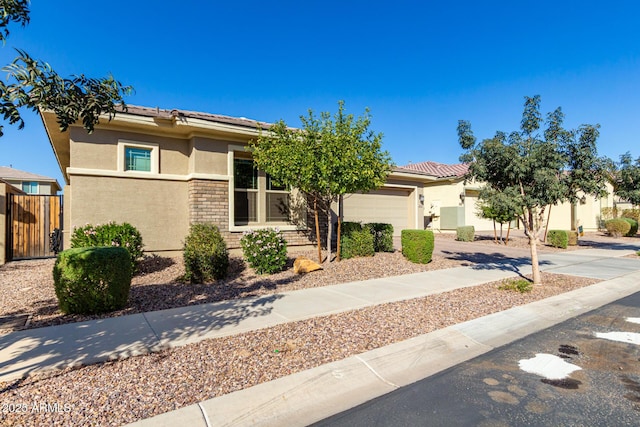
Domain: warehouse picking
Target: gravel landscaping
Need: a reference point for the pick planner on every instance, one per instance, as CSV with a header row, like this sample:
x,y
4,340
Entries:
x,y
116,393
119,392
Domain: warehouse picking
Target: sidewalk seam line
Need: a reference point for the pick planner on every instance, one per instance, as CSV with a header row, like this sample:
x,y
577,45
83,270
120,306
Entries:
x,y
375,373
159,341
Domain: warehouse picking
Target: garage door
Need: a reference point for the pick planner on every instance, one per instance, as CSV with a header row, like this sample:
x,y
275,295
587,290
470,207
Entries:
x,y
389,206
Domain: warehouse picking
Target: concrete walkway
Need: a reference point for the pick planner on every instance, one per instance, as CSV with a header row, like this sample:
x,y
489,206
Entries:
x,y
309,396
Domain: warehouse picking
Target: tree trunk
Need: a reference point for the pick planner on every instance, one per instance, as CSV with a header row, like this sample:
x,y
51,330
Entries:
x,y
535,265
506,242
501,224
495,235
546,227
340,200
329,234
315,213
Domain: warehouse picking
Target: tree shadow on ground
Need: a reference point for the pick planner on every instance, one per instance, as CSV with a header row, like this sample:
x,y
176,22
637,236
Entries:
x,y
624,245
492,261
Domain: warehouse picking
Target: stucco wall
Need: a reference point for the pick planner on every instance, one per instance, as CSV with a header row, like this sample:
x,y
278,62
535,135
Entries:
x,y
157,208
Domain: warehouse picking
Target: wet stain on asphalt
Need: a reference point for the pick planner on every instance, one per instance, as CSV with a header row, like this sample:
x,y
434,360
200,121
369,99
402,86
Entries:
x,y
567,351
634,387
566,383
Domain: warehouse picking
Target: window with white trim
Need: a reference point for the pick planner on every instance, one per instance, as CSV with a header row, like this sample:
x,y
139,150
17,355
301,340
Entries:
x,y
138,157
258,199
30,187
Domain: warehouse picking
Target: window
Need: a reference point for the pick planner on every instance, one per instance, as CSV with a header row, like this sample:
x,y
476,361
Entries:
x,y
277,202
137,159
30,187
245,176
257,198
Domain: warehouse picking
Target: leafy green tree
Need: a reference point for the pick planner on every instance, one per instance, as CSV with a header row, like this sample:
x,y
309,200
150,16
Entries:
x,y
326,158
534,170
499,207
34,85
626,180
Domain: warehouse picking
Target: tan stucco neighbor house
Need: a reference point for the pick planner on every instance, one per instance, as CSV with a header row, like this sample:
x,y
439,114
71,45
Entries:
x,y
29,183
451,202
163,170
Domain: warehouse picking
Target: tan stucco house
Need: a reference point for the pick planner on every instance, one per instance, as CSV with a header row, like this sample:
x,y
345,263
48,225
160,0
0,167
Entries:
x,y
451,202
162,170
29,183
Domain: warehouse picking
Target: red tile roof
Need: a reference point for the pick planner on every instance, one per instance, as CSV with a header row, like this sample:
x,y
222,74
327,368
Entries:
x,y
439,170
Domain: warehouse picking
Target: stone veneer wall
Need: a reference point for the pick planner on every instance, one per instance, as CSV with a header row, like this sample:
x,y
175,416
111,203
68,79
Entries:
x,y
209,202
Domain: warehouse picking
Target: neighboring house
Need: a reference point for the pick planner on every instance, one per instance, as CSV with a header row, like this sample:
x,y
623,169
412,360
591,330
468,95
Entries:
x,y
162,170
28,182
450,202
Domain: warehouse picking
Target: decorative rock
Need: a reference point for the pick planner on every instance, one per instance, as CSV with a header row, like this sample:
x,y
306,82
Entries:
x,y
304,265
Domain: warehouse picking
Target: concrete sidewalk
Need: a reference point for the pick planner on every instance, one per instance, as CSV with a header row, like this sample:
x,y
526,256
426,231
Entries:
x,y
325,390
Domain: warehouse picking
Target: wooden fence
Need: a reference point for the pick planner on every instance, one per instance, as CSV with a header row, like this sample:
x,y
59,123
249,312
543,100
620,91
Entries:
x,y
30,221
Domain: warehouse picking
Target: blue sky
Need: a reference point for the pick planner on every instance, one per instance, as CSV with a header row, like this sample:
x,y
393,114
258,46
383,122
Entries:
x,y
420,66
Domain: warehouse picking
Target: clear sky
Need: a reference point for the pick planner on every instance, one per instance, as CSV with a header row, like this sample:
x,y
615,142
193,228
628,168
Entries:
x,y
420,66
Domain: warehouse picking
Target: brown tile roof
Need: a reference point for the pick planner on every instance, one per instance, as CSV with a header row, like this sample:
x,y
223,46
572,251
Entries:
x,y
439,170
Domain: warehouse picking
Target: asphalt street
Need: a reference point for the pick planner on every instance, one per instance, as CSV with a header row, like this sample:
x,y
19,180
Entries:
x,y
602,348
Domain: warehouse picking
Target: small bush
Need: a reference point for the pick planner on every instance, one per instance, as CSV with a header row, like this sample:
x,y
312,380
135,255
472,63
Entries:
x,y
519,285
92,280
358,243
573,238
631,213
617,227
633,224
558,238
382,236
205,254
111,234
265,250
347,227
417,245
465,233
608,213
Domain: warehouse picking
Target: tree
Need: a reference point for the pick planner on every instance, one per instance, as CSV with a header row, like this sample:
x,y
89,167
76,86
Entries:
x,y
626,180
499,207
326,158
533,170
34,85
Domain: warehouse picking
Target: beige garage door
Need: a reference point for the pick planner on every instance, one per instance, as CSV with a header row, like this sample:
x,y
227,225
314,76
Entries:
x,y
389,206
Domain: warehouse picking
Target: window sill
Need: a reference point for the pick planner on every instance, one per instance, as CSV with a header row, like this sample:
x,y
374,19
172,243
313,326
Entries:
x,y
281,227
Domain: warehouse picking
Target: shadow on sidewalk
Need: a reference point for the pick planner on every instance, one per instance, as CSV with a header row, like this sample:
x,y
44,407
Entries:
x,y
71,345
492,261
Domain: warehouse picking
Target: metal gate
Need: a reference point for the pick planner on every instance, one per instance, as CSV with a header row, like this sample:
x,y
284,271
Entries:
x,y
33,225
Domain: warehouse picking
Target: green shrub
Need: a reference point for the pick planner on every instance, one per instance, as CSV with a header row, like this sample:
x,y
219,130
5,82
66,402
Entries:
x,y
111,234
633,224
92,280
357,243
573,238
417,245
382,236
265,250
465,233
558,238
347,227
631,213
617,227
205,254
519,285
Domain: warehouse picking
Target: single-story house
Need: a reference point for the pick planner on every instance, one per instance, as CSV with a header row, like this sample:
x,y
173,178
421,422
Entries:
x,y
28,182
163,170
451,202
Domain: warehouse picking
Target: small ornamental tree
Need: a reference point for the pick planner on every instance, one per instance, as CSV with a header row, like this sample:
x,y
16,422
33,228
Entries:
x,y
626,181
327,158
34,85
500,208
536,170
